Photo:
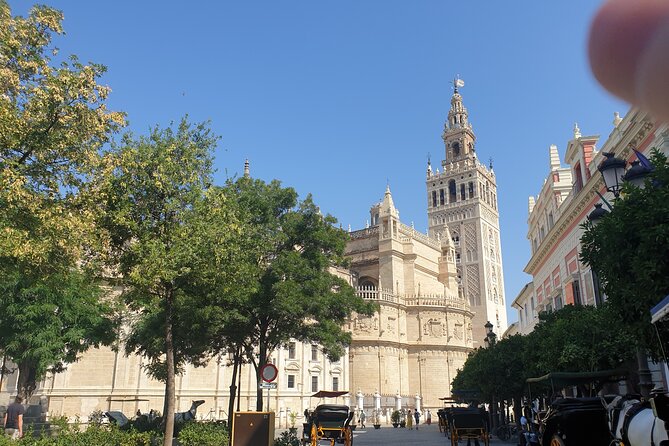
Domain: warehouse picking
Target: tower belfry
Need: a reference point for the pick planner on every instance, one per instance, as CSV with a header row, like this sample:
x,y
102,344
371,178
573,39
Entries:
x,y
458,134
462,204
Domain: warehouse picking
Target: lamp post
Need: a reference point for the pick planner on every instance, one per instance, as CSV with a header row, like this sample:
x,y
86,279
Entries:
x,y
614,174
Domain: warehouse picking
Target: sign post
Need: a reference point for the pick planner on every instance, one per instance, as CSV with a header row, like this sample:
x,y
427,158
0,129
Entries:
x,y
268,374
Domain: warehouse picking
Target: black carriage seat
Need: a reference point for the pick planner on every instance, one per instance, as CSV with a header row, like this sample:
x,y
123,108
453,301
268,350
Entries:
x,y
333,415
467,418
580,404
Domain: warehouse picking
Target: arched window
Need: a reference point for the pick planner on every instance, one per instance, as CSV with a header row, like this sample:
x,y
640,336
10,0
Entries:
x,y
452,192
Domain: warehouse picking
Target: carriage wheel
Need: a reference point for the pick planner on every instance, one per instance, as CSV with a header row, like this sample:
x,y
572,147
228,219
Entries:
x,y
556,440
454,437
314,435
348,437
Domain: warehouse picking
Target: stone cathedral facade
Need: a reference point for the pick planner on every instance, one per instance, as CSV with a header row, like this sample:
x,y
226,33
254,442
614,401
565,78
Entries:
x,y
434,291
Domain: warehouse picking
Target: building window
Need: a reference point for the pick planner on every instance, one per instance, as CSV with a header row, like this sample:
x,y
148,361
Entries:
x,y
462,192
291,350
314,353
532,305
434,198
314,383
291,381
576,288
441,196
471,189
335,383
558,302
597,289
452,192
457,257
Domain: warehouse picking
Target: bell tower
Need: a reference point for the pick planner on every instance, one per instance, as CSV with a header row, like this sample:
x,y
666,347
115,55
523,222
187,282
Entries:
x,y
462,205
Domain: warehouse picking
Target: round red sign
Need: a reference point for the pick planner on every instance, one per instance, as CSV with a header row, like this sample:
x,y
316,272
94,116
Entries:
x,y
269,372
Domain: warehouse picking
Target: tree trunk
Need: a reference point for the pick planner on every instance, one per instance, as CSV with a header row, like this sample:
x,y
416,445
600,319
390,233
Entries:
x,y
262,360
169,384
233,388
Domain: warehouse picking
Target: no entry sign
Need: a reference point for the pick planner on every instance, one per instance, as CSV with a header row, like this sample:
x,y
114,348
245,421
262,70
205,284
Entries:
x,y
269,372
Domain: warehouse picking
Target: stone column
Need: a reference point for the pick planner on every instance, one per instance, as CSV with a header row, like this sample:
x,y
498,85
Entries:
x,y
417,398
361,399
377,400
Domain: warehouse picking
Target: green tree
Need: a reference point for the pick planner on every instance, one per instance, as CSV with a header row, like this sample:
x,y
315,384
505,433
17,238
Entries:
x,y
290,251
628,250
171,238
578,339
53,122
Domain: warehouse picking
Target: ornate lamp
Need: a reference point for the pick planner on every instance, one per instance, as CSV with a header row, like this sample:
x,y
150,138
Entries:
x,y
612,170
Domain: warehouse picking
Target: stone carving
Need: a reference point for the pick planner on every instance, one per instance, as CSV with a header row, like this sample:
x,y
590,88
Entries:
x,y
367,324
390,326
458,331
434,328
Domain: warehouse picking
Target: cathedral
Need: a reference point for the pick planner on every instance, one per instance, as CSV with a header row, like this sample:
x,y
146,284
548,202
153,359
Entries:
x,y
435,293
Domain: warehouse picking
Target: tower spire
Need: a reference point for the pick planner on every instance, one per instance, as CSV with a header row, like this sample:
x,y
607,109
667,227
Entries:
x,y
247,170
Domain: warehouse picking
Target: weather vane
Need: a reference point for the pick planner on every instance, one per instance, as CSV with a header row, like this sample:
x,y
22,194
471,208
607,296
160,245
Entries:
x,y
457,82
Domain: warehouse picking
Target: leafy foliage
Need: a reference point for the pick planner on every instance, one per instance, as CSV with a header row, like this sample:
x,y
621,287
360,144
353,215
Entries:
x,y
204,434
628,250
170,237
287,438
572,339
53,123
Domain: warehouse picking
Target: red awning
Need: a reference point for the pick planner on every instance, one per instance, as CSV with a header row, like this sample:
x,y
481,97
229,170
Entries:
x,y
328,394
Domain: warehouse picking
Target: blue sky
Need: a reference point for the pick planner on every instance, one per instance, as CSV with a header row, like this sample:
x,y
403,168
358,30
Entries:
x,y
337,98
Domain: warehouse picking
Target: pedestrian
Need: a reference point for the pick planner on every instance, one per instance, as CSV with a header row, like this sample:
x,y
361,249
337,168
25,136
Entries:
x,y
409,419
14,419
416,415
428,417
361,418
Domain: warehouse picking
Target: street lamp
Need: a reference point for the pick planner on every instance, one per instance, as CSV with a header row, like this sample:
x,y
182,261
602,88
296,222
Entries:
x,y
613,172
490,336
612,169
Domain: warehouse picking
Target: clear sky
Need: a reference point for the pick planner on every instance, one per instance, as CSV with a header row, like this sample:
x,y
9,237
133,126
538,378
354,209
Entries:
x,y
338,98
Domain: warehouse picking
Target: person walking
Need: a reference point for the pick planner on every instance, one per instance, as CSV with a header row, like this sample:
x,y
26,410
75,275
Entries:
x,y
14,419
409,419
362,418
428,417
416,415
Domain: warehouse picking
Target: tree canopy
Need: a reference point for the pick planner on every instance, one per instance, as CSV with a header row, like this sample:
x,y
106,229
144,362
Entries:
x,y
628,250
170,236
572,339
53,123
289,256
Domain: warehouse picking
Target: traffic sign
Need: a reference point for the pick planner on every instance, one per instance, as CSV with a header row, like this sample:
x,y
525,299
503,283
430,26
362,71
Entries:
x,y
264,385
269,372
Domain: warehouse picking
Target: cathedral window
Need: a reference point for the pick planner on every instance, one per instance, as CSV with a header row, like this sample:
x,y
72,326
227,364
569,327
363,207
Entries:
x,y
471,189
452,192
434,198
441,197
457,257
462,192
456,149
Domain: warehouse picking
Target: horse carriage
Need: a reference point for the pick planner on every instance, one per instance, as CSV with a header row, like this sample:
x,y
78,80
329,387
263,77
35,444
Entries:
x,y
596,420
466,423
330,422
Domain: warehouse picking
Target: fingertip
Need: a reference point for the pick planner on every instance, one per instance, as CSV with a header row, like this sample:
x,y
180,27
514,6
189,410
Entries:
x,y
620,33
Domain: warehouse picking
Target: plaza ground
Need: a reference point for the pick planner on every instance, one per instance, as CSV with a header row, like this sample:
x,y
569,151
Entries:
x,y
425,436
